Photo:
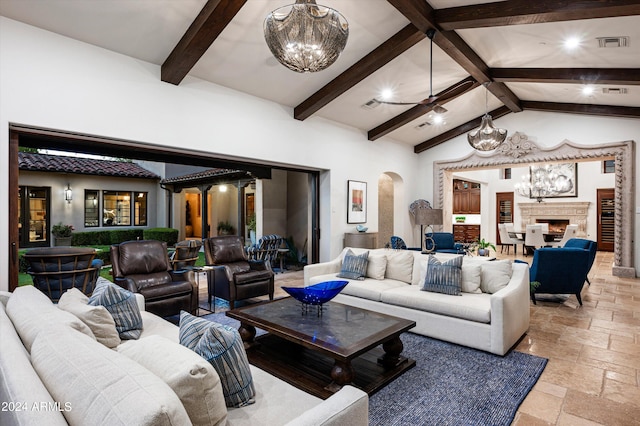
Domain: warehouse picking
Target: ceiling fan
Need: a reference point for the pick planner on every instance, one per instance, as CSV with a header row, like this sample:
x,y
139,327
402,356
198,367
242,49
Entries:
x,y
443,96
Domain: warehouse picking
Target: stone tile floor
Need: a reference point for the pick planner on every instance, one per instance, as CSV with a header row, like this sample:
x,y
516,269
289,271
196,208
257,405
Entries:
x,y
593,374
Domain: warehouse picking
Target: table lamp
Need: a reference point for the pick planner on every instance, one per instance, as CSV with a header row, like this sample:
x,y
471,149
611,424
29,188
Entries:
x,y
428,217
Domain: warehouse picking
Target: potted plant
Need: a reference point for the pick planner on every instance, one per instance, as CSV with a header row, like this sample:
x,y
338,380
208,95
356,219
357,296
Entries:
x,y
225,228
533,285
460,219
62,234
483,247
251,225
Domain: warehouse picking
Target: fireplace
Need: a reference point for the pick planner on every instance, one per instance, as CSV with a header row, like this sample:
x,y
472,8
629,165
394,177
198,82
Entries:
x,y
556,226
556,214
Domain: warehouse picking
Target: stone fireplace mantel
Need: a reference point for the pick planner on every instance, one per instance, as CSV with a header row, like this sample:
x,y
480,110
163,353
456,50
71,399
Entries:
x,y
574,212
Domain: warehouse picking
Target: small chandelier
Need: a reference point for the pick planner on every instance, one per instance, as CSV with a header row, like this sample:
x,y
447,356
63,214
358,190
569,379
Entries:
x,y
486,137
540,183
306,37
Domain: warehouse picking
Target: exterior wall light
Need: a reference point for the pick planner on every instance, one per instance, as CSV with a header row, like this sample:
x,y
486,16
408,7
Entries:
x,y
68,194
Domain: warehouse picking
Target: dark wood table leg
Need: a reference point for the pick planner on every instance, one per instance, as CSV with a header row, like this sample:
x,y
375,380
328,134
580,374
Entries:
x,y
247,334
392,350
342,374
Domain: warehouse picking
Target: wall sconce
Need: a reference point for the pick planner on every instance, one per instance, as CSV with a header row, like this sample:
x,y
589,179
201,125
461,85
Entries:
x,y
68,194
223,188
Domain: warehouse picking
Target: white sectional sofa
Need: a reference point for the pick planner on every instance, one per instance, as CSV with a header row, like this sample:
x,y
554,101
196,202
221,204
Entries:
x,y
491,322
54,372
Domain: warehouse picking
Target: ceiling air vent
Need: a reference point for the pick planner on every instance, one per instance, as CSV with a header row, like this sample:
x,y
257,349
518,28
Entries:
x,y
614,90
622,41
373,103
423,124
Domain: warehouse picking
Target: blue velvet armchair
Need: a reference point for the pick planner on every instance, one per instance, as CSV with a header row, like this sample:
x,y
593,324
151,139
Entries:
x,y
582,243
398,243
442,242
559,271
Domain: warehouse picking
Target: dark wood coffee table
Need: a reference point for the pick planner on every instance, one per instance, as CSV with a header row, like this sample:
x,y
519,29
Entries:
x,y
321,353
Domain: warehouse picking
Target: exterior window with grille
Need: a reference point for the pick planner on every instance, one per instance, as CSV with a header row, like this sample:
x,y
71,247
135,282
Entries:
x,y
91,208
140,209
116,208
609,166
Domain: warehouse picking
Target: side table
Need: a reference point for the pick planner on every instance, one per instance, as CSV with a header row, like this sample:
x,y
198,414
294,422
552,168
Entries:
x,y
197,270
281,254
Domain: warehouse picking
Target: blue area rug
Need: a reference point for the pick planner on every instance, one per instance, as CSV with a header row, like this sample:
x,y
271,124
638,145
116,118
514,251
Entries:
x,y
455,385
450,384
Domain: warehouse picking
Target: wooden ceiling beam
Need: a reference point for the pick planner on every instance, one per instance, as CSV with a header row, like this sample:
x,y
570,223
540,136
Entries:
x,y
460,130
586,109
630,76
520,12
376,59
420,14
418,111
203,31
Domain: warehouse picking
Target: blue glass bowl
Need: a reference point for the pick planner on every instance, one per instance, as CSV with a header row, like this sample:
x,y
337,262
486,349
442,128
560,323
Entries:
x,y
316,294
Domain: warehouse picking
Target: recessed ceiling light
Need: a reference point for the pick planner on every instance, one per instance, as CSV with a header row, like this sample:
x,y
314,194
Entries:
x,y
571,43
386,94
438,119
588,90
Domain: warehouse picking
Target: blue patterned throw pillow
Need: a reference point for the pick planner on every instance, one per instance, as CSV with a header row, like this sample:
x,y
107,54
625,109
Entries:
x,y
222,347
122,306
354,267
444,277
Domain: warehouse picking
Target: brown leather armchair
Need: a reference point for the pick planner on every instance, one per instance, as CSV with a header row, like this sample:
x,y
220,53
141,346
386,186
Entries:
x,y
143,267
233,277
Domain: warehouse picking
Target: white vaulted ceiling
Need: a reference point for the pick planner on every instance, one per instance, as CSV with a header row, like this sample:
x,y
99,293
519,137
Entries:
x,y
239,58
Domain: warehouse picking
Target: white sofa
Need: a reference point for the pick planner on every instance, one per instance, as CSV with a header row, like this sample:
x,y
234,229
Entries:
x,y
53,372
489,322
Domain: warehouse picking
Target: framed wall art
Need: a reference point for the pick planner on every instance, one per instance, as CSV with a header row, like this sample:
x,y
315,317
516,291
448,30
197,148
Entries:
x,y
554,180
356,201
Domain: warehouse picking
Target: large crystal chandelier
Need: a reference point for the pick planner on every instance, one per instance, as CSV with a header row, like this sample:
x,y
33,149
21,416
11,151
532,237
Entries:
x,y
544,181
306,37
486,137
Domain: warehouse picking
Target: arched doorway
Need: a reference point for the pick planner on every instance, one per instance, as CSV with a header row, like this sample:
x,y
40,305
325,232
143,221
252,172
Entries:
x,y
392,207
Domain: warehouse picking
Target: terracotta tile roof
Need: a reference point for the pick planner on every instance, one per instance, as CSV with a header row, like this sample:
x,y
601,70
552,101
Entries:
x,y
204,175
84,166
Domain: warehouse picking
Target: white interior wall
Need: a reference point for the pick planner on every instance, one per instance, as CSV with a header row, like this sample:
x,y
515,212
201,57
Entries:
x,y
547,130
51,81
